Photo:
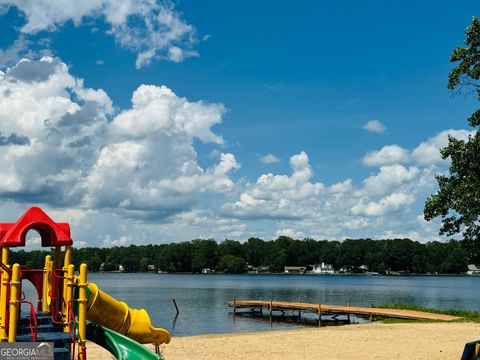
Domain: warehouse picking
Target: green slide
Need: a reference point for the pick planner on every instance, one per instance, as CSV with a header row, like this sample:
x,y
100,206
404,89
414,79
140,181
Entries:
x,y
121,346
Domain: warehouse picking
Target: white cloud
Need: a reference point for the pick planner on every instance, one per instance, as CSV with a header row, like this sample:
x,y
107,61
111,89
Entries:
x,y
428,152
109,242
156,109
298,205
150,165
81,244
388,179
375,126
61,133
19,49
357,223
141,161
109,172
387,205
215,153
176,54
390,154
390,234
341,187
417,229
206,224
269,159
292,233
275,196
152,29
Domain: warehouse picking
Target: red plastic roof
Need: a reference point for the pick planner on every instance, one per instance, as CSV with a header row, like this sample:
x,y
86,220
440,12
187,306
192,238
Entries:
x,y
51,233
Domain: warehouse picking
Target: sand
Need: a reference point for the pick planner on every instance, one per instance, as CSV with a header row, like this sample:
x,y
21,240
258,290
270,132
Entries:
x,y
360,342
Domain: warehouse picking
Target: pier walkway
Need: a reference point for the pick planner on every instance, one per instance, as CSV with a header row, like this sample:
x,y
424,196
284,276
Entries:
x,y
335,310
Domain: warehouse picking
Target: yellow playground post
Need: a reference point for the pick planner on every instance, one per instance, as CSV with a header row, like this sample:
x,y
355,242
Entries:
x,y
14,303
5,282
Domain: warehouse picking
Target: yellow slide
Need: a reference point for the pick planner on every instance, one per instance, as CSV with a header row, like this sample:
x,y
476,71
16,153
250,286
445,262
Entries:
x,y
106,311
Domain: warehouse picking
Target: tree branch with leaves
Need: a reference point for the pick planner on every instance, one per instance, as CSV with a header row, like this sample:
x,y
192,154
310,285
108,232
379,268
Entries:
x,y
457,201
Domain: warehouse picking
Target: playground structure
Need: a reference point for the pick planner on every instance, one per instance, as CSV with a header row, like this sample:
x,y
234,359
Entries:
x,y
471,351
70,310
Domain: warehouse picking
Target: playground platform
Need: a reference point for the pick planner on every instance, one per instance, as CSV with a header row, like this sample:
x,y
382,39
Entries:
x,y
256,306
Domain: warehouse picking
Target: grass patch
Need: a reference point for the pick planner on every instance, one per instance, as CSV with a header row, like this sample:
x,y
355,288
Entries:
x,y
402,321
473,316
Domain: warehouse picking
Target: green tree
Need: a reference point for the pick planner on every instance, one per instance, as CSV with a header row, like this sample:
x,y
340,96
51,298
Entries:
x,y
232,264
255,250
144,262
399,254
279,261
457,201
109,266
94,263
231,247
205,254
130,258
175,257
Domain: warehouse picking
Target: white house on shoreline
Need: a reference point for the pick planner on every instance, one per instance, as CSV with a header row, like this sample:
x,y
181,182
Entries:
x,y
473,270
323,269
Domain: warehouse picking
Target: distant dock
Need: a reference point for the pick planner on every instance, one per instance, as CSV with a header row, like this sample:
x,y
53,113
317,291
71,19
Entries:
x,y
257,306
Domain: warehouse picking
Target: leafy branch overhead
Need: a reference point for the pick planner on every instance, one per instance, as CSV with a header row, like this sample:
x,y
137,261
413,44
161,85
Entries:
x,y
466,74
457,201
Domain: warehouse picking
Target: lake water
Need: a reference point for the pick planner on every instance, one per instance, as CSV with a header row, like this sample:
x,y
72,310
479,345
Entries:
x,y
202,299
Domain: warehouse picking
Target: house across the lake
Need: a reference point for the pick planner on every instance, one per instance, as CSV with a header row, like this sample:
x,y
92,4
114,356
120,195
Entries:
x,y
208,271
323,269
473,270
262,269
294,269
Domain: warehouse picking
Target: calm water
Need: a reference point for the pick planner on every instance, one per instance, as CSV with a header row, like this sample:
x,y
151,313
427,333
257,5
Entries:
x,y
202,298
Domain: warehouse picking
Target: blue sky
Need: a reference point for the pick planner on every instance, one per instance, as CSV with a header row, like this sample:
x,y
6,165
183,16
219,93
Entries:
x,y
296,81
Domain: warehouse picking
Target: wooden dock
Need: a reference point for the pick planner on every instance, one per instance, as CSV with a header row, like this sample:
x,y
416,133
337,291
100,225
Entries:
x,y
335,310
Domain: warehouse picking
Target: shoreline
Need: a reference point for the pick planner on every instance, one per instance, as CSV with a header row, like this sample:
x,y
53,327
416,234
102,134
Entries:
x,y
401,341
284,274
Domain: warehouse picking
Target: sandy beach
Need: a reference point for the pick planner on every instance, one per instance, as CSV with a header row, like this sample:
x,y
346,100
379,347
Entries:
x,y
360,342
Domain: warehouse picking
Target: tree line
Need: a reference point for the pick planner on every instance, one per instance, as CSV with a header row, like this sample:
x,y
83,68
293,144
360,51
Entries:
x,y
232,256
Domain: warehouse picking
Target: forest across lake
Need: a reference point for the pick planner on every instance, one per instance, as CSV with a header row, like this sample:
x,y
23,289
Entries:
x,y
230,256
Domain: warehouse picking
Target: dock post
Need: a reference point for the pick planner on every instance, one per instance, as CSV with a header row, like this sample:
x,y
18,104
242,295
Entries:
x,y
234,306
319,315
176,307
270,310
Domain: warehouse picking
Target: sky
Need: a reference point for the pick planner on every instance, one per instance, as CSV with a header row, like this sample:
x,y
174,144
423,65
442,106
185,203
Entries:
x,y
152,121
